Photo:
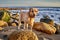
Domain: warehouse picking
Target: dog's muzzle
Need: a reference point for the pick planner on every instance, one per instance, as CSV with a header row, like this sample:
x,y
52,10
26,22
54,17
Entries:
x,y
32,15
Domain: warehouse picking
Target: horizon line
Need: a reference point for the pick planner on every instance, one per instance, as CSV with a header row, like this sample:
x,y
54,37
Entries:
x,y
31,6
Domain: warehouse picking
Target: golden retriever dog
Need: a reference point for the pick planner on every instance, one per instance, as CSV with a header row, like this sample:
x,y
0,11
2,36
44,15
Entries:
x,y
28,18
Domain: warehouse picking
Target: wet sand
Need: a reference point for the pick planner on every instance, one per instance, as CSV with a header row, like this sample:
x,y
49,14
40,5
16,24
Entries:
x,y
44,36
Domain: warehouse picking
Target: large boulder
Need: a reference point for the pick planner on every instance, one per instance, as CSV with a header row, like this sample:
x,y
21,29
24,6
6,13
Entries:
x,y
6,16
23,35
3,23
44,27
48,21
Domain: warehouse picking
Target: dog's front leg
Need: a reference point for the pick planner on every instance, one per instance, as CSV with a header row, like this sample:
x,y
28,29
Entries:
x,y
31,26
19,22
31,23
26,26
19,26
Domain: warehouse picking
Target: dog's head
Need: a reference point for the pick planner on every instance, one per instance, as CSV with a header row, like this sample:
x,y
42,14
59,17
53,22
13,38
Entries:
x,y
33,12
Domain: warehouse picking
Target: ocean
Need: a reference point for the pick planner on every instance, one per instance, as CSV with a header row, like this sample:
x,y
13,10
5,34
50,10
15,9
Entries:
x,y
52,12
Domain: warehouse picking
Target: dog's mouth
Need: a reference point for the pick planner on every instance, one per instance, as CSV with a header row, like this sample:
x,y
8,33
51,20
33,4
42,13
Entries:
x,y
32,15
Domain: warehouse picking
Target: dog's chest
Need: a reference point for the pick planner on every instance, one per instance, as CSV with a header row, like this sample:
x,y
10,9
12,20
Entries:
x,y
24,17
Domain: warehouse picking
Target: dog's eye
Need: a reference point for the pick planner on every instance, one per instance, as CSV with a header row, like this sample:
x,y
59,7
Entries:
x,y
31,11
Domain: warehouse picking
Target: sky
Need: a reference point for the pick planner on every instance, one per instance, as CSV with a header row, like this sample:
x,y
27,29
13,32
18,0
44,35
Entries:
x,y
52,3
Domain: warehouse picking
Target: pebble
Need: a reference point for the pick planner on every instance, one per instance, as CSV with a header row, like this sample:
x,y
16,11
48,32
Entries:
x,y
1,39
43,38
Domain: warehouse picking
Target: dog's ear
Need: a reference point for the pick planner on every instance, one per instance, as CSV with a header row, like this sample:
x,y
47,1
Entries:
x,y
35,10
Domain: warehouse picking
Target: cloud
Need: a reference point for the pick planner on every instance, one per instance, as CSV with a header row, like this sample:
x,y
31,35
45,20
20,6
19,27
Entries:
x,y
29,3
24,1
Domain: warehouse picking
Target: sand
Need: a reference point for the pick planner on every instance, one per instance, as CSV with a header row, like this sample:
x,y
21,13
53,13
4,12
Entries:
x,y
42,36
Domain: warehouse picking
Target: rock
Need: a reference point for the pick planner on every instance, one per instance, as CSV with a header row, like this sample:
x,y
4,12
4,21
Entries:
x,y
1,28
57,28
14,24
47,39
47,20
6,16
44,27
1,39
3,23
23,35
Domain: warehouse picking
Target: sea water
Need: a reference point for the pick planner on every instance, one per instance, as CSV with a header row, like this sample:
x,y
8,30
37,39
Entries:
x,y
52,12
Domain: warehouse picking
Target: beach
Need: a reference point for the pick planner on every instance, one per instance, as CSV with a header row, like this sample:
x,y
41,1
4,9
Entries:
x,y
41,36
